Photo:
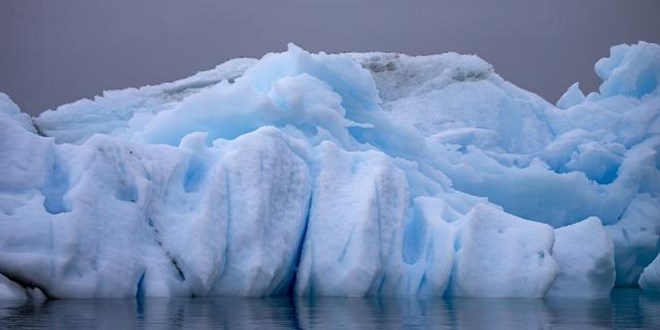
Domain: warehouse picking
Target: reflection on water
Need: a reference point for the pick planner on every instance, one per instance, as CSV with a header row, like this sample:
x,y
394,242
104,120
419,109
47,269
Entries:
x,y
626,308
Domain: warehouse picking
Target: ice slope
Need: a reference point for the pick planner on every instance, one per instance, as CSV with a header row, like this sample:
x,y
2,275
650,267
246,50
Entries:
x,y
337,174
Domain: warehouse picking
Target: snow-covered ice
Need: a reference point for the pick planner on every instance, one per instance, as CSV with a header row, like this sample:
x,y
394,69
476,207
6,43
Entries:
x,y
337,174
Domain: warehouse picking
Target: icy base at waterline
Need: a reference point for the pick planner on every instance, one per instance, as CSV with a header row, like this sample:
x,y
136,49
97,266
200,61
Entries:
x,y
337,175
625,308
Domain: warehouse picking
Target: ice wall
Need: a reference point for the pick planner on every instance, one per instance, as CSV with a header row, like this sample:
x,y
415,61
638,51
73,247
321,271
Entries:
x,y
337,174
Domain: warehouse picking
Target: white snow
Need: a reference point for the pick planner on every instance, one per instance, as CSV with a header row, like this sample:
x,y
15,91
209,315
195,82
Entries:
x,y
337,174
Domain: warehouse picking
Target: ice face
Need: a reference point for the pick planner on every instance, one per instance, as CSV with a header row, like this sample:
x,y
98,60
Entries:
x,y
355,223
585,254
337,174
650,279
635,238
10,291
500,255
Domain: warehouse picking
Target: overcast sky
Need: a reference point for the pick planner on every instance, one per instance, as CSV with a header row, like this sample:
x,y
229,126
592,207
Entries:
x,y
55,52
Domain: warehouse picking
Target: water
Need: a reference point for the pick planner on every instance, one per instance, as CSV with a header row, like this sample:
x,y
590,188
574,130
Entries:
x,y
628,308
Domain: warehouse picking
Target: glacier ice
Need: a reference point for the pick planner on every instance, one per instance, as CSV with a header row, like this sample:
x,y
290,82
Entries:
x,y
585,255
650,278
500,255
11,291
337,174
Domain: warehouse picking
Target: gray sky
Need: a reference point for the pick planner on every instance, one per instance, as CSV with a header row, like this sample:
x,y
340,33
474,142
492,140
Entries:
x,y
54,52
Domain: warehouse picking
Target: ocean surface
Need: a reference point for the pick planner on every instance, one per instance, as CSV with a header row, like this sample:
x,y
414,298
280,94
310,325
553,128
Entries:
x,y
626,308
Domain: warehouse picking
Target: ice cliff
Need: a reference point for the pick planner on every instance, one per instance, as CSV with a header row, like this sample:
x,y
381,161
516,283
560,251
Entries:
x,y
337,174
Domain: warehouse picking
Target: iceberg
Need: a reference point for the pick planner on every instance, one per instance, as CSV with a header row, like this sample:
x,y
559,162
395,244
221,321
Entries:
x,y
348,174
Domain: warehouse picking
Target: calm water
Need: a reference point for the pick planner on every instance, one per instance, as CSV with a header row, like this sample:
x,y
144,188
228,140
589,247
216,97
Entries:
x,y
626,309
